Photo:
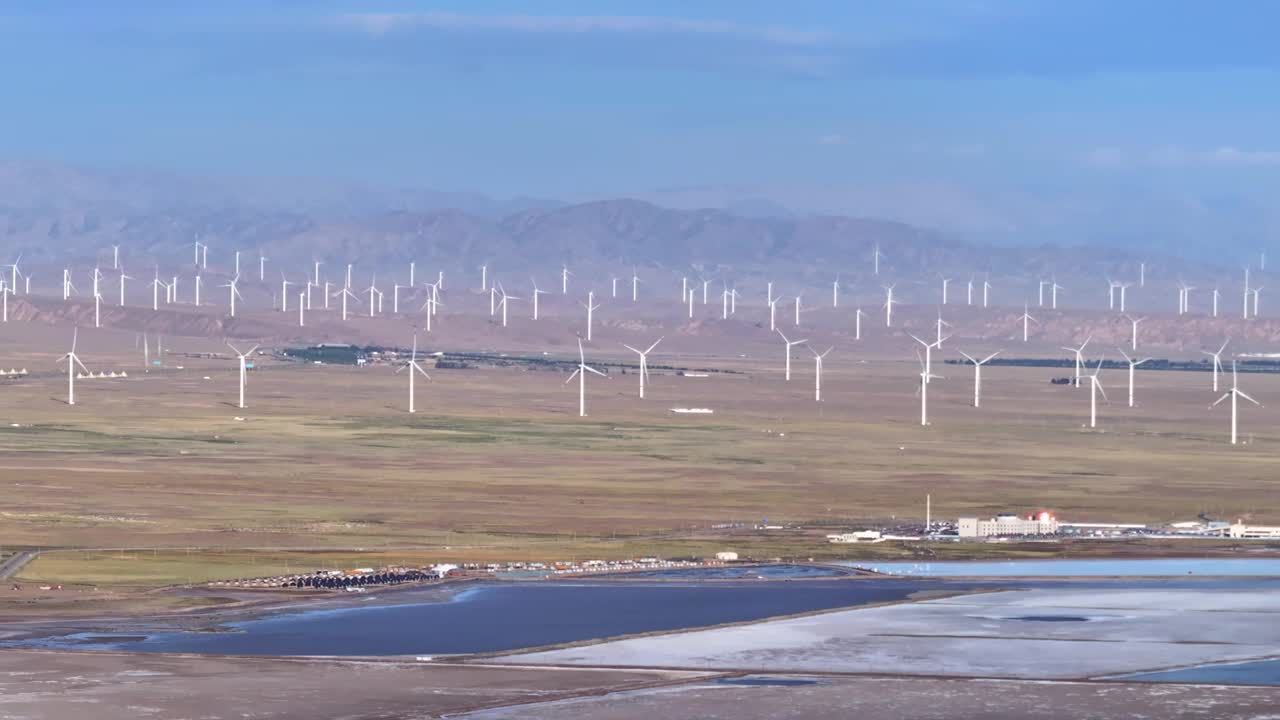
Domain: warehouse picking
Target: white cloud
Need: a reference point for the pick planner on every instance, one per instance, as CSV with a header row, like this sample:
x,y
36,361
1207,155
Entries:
x,y
382,23
1170,156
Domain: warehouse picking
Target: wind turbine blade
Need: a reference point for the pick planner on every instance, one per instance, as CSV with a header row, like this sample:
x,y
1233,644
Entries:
x,y
588,368
82,367
632,349
968,357
572,376
1224,397
654,345
255,347
418,367
991,357
233,347
1246,397
1101,390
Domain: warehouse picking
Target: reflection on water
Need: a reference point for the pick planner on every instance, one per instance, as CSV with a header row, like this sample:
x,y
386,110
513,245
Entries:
x,y
498,617
1149,567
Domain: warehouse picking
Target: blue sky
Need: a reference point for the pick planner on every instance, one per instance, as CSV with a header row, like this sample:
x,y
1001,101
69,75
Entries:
x,y
982,115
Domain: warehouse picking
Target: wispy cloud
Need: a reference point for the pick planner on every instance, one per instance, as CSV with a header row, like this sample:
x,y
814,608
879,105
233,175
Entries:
x,y
384,23
1179,157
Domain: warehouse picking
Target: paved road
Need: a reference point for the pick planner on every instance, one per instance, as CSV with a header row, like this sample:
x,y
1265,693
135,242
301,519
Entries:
x,y
10,567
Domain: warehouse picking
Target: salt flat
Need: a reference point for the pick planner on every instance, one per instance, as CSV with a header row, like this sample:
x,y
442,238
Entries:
x,y
1041,633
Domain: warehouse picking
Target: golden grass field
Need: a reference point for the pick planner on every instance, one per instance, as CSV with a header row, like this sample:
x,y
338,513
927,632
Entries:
x,y
496,464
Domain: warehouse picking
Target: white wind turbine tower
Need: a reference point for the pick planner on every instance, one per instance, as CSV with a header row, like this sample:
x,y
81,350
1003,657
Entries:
x,y
284,292
67,286
1111,293
817,377
1245,315
1257,297
1079,352
505,298
237,262
262,268
5,292
1133,366
1123,288
234,292
97,311
243,373
1133,334
1053,294
198,283
1040,302
346,293
875,259
835,292
691,304
14,273
591,307
1235,393
613,292
888,305
773,313
564,281
941,324
493,300
968,296
1216,295
986,292
644,363
412,267
1026,322
412,366
946,283
536,293
925,377
374,295
724,303
123,277
797,311
115,257
155,291
977,375
635,285
395,298
72,361
302,308
1095,387
484,277
581,374
857,324
1217,361
789,344
146,354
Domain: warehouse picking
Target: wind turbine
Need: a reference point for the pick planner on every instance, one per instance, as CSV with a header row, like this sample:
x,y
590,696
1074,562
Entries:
x,y
797,311
986,292
243,373
505,298
928,354
1026,320
977,375
1217,361
72,361
346,293
857,323
591,307
635,285
1133,335
888,304
790,344
412,366
115,257
644,363
581,374
5,292
835,292
773,313
1133,365
536,293
484,277
1079,357
817,377
564,281
234,292
123,277
1095,387
925,377
875,259
1235,393
946,283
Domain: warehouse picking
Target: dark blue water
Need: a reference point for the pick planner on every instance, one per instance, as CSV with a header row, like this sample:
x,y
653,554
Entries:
x,y
1260,672
498,617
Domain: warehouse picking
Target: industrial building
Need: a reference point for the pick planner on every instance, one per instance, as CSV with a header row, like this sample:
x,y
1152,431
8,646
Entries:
x,y
1042,523
1253,532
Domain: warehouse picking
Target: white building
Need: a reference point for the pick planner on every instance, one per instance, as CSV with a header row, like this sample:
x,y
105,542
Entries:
x,y
726,556
1253,532
1008,524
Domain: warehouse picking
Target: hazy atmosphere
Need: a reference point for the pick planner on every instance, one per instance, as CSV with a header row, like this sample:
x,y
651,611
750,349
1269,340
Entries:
x,y
1023,122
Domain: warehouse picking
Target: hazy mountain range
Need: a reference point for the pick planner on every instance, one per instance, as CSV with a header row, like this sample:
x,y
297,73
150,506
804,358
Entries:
x,y
55,214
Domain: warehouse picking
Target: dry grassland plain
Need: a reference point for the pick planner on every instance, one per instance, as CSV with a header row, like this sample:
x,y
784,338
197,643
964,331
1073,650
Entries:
x,y
159,478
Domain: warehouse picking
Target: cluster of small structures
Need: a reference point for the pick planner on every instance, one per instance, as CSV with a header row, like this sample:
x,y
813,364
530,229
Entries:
x,y
354,580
